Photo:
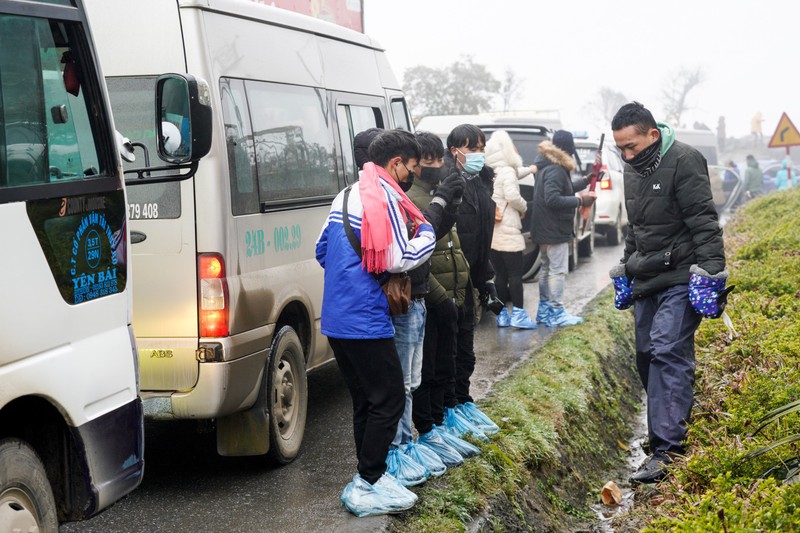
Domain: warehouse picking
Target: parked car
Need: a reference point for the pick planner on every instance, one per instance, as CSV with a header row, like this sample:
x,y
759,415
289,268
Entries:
x,y
611,217
527,132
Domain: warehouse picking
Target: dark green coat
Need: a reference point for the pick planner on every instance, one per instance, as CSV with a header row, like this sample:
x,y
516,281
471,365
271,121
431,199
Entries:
x,y
449,271
672,222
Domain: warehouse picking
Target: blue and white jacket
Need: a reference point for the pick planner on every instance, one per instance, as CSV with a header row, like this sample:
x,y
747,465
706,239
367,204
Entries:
x,y
353,303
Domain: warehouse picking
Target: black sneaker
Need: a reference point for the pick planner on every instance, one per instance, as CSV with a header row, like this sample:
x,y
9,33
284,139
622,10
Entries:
x,y
654,469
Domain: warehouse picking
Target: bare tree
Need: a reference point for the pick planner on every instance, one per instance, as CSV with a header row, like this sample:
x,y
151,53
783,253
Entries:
x,y
511,88
676,92
610,102
464,87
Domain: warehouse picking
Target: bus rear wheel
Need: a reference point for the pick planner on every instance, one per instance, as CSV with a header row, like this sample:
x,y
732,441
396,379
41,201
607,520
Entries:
x,y
26,498
287,395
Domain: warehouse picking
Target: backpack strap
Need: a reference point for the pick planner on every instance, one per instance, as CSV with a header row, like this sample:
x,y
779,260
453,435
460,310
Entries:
x,y
351,236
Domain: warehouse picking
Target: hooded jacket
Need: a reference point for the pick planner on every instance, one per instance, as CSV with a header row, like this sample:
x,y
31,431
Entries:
x,y
753,178
447,271
782,177
672,221
507,164
554,200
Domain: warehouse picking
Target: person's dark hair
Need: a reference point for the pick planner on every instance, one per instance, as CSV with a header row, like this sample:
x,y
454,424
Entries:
x,y
466,134
430,145
361,144
634,114
393,143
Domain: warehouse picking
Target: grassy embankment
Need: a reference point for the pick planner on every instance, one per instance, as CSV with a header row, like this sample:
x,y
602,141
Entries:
x,y
562,415
718,487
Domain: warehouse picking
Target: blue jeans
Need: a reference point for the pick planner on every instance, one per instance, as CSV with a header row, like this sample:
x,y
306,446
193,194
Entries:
x,y
409,333
553,274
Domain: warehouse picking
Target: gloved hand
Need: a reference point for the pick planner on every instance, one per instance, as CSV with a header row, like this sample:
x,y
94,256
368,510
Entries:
x,y
623,287
587,198
489,298
707,292
451,188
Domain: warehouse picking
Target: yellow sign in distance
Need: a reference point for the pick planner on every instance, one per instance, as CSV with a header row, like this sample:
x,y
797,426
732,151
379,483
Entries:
x,y
786,134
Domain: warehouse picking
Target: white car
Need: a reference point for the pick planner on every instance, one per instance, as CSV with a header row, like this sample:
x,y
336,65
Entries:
x,y
611,217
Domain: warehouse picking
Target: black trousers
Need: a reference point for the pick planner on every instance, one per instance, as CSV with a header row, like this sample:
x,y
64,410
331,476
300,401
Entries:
x,y
458,390
508,277
438,369
665,326
372,371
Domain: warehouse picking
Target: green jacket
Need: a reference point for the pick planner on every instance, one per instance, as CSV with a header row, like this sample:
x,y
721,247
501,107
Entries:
x,y
753,178
449,272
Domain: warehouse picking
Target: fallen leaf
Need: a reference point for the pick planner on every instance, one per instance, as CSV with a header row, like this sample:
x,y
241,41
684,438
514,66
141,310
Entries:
x,y
611,494
624,447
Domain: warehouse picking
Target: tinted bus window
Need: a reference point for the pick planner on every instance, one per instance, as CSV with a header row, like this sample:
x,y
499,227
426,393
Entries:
x,y
44,124
239,144
400,114
293,142
133,105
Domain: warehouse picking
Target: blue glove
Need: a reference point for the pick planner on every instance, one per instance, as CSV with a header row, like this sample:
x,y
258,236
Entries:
x,y
623,288
707,292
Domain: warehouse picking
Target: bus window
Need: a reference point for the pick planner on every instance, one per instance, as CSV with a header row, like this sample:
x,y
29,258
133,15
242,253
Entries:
x,y
239,142
400,114
293,142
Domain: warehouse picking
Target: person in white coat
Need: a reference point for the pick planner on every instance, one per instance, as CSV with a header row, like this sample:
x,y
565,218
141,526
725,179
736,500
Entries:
x,y
507,240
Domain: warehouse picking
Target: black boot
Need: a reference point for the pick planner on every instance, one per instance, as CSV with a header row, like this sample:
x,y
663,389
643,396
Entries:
x,y
654,469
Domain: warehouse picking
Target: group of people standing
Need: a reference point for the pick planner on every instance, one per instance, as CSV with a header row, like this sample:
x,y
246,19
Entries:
x,y
451,218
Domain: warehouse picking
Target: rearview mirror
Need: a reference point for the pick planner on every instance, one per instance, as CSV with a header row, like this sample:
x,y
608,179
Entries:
x,y
183,118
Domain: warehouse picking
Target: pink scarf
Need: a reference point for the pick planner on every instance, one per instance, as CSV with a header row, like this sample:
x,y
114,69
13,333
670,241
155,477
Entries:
x,y
376,227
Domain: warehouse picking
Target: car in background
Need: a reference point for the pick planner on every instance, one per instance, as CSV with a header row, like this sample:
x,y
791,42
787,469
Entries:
x,y
527,131
611,217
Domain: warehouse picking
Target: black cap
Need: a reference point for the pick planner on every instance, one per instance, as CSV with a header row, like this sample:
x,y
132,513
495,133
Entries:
x,y
361,144
563,139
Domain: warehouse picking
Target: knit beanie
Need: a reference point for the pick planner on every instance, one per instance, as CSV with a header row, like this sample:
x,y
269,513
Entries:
x,y
361,144
563,139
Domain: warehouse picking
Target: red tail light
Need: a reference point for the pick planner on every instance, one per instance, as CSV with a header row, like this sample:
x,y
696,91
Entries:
x,y
605,183
213,296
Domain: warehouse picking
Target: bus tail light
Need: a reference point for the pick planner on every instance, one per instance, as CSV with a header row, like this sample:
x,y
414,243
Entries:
x,y
213,295
605,182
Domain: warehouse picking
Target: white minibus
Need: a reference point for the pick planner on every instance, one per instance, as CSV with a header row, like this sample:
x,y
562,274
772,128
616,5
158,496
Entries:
x,y
71,425
227,290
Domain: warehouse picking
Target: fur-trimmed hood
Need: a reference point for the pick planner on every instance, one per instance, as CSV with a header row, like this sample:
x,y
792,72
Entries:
x,y
556,155
500,151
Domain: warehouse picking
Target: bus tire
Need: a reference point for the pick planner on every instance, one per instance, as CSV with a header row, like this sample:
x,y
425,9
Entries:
x,y
287,395
26,498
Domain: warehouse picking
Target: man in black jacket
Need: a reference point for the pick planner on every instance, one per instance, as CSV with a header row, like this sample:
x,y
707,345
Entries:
x,y
552,222
672,271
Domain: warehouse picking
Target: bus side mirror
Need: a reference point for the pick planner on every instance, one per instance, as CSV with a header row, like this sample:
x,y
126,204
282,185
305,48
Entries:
x,y
183,118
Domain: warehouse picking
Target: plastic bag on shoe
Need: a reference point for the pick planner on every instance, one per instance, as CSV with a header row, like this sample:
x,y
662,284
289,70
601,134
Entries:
x,y
433,441
404,469
457,424
472,413
363,499
427,458
464,448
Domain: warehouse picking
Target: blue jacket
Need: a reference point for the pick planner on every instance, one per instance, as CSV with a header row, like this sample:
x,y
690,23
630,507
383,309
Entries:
x,y
353,303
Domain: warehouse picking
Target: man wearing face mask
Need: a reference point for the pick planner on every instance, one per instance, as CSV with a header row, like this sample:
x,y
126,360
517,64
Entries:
x,y
355,311
672,272
475,226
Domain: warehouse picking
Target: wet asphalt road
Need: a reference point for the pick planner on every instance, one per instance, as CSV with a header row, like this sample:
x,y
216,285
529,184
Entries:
x,y
188,488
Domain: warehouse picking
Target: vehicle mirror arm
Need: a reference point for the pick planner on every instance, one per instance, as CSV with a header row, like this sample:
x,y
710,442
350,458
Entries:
x,y
143,174
146,154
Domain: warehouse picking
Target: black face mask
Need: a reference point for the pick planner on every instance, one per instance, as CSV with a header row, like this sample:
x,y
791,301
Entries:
x,y
646,162
431,175
406,185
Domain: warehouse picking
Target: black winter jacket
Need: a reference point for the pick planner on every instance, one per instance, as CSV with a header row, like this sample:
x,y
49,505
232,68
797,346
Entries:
x,y
475,223
554,200
672,222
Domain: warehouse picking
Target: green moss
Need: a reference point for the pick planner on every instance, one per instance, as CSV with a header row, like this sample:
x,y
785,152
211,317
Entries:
x,y
561,415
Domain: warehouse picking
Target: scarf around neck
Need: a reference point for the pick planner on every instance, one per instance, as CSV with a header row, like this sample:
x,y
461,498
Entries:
x,y
376,226
646,162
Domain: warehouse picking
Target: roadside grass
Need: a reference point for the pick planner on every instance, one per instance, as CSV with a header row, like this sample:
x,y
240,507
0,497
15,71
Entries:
x,y
739,380
561,416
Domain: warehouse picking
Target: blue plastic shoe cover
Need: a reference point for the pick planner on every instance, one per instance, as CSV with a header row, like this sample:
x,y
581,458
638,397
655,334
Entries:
x,y
471,412
404,469
503,319
543,313
434,442
464,448
520,319
384,497
426,457
561,318
457,424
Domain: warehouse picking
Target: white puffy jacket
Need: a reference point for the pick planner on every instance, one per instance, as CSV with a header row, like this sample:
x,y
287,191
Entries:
x,y
507,164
